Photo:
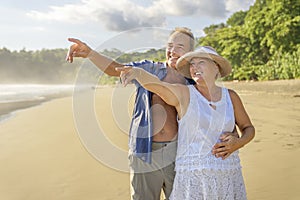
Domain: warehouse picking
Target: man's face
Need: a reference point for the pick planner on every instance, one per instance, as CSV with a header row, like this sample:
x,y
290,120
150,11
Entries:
x,y
178,45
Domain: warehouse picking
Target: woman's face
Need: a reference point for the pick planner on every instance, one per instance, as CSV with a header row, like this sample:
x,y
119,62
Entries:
x,y
203,69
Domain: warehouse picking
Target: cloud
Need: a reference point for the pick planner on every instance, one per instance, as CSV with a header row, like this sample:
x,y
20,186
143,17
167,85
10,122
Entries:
x,y
126,15
238,5
68,13
120,15
212,8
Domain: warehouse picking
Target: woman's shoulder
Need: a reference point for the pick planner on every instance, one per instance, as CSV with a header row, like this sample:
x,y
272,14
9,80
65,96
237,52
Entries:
x,y
235,98
232,93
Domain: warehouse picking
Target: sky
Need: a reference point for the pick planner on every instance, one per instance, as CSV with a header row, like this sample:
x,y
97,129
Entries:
x,y
36,24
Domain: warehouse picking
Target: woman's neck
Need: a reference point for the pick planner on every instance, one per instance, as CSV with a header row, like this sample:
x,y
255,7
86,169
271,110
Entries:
x,y
211,92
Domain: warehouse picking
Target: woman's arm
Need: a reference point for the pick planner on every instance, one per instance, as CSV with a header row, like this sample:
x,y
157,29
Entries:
x,y
242,119
173,94
231,143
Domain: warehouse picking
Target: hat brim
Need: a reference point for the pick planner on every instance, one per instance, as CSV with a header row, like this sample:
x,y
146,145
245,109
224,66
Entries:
x,y
183,63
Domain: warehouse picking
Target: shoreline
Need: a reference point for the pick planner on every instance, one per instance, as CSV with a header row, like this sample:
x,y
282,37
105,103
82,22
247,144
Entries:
x,y
281,87
284,87
10,108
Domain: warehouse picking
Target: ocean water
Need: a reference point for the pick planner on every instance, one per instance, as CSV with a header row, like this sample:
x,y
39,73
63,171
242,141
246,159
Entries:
x,y
14,97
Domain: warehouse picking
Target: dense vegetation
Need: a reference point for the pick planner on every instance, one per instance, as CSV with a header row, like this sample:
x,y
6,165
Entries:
x,y
262,43
49,66
44,66
152,54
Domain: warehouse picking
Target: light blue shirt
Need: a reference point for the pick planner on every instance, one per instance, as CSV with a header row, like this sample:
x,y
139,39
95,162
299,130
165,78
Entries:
x,y
141,132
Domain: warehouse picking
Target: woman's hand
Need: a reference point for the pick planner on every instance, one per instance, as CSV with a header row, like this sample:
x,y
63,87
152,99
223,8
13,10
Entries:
x,y
127,74
229,143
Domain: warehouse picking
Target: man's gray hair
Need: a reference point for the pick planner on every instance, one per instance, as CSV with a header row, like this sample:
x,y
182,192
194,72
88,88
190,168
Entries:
x,y
187,32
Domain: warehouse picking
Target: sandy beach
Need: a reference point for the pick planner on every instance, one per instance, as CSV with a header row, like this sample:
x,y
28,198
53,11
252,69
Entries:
x,y
43,156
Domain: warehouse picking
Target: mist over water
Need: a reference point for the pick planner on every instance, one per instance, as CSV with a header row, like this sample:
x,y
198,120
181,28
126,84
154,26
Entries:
x,y
14,97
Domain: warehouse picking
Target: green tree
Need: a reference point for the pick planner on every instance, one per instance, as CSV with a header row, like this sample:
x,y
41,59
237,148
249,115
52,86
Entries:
x,y
284,22
261,43
237,19
212,37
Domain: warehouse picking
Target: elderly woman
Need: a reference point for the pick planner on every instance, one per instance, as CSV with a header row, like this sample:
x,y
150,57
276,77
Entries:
x,y
205,111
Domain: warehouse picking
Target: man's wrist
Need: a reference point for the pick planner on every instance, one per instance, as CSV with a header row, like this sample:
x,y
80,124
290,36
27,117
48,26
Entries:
x,y
92,54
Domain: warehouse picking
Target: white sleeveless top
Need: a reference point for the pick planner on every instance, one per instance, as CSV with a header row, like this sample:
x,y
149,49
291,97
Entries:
x,y
199,130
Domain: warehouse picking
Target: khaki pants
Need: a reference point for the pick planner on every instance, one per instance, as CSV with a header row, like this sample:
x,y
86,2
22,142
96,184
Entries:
x,y
147,180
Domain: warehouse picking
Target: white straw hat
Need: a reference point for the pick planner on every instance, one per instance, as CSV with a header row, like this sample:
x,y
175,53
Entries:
x,y
183,63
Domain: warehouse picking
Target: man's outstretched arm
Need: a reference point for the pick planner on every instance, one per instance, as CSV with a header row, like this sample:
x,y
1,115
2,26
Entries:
x,y
82,50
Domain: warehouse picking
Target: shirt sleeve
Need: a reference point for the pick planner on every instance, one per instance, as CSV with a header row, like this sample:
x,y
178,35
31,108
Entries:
x,y
155,68
145,64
